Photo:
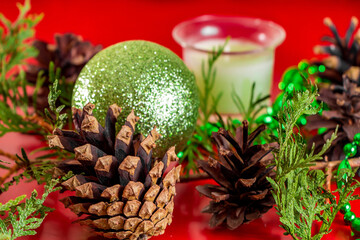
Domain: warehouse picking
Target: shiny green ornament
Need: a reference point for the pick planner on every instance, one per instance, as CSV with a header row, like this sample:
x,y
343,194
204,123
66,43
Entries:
x,y
148,78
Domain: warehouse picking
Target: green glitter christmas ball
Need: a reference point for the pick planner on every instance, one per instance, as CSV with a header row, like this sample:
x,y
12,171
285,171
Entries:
x,y
148,78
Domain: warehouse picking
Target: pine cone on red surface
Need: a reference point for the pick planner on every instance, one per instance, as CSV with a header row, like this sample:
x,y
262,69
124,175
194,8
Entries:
x,y
120,188
344,111
343,54
243,193
69,53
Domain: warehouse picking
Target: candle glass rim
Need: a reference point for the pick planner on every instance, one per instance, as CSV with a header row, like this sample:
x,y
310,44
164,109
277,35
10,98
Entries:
x,y
184,44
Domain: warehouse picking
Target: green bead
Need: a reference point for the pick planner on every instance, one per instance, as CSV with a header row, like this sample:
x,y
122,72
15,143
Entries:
x,y
303,65
303,120
355,226
345,208
282,85
344,164
270,110
349,217
312,69
322,68
357,139
268,119
290,87
180,154
322,130
350,150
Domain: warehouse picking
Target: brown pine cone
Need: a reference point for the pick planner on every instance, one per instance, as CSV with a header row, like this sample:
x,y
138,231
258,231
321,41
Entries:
x,y
70,53
343,54
344,110
244,193
119,186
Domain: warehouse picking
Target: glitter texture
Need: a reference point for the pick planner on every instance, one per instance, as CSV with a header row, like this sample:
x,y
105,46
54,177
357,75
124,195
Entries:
x,y
148,78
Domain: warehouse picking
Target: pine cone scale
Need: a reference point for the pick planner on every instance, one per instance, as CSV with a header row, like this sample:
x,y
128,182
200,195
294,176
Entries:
x,y
215,173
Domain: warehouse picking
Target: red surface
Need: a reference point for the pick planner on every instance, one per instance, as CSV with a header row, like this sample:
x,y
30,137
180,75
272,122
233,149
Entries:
x,y
188,221
110,21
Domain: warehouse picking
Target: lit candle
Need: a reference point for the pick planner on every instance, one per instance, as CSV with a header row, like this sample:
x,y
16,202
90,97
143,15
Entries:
x,y
248,56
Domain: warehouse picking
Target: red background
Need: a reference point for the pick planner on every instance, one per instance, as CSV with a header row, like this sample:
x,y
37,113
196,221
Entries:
x,y
110,21
107,22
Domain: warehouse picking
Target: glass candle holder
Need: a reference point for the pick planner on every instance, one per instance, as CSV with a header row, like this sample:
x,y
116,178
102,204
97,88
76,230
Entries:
x,y
247,58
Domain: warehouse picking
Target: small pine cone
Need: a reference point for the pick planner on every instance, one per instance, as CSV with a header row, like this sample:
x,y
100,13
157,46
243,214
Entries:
x,y
243,193
343,54
119,186
343,104
69,53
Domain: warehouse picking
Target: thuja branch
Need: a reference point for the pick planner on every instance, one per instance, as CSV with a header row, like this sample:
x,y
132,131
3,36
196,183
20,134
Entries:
x,y
22,216
15,49
209,76
298,191
37,168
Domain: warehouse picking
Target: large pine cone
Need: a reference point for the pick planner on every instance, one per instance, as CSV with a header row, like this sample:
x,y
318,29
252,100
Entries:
x,y
244,193
119,186
344,111
343,54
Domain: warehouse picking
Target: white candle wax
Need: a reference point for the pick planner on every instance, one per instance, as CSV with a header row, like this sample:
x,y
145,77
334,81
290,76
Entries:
x,y
235,72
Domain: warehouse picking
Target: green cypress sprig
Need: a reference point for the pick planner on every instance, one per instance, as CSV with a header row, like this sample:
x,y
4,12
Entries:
x,y
38,169
22,218
301,200
14,51
208,73
54,114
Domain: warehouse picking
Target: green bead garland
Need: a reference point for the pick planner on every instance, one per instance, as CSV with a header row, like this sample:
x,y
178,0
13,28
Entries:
x,y
350,218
